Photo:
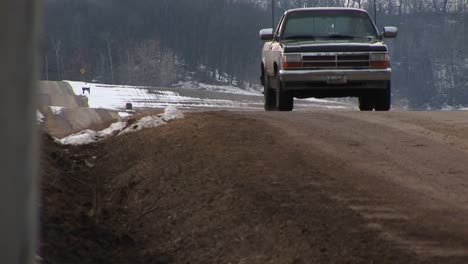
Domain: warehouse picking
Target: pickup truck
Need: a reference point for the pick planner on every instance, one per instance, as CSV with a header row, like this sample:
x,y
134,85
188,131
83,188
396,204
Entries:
x,y
326,52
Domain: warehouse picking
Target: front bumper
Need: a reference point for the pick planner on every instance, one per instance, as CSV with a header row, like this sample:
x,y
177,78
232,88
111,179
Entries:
x,y
335,75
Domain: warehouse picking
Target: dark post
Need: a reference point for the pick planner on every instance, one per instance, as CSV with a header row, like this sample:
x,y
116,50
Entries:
x,y
273,14
19,46
375,12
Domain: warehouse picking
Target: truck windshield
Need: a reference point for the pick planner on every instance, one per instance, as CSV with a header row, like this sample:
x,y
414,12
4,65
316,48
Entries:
x,y
328,24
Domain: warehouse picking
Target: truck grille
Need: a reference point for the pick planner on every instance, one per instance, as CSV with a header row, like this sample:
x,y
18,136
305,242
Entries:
x,y
336,61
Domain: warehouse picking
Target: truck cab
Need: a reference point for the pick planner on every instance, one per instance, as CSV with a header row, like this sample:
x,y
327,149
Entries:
x,y
326,52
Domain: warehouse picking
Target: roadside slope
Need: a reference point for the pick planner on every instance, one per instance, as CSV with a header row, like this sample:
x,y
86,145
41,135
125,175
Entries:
x,y
223,187
255,187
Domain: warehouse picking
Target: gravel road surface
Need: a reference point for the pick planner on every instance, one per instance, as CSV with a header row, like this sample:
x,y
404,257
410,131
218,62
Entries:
x,y
404,173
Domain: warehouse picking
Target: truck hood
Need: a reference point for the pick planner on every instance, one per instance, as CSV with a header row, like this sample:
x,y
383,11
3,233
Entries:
x,y
316,46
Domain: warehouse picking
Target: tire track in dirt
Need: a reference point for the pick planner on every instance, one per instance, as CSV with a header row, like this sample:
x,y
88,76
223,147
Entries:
x,y
425,129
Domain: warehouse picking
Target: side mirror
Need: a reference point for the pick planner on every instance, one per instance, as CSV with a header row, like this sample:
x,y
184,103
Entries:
x,y
390,32
266,34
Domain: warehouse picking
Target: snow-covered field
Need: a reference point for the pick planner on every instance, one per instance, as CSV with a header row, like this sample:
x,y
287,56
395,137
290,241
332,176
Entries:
x,y
117,96
186,95
216,88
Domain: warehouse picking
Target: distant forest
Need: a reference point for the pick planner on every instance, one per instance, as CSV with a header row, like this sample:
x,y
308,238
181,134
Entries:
x,y
161,42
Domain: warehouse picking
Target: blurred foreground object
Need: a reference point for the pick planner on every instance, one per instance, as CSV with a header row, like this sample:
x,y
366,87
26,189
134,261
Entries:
x,y
19,24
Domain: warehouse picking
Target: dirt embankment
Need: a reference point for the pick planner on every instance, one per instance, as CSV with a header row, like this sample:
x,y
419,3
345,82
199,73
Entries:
x,y
69,113
217,188
69,231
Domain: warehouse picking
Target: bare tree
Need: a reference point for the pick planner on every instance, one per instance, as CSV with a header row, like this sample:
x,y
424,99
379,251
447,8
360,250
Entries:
x,y
57,44
111,63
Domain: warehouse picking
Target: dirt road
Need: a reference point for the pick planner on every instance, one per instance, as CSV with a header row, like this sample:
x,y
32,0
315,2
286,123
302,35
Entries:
x,y
255,187
405,174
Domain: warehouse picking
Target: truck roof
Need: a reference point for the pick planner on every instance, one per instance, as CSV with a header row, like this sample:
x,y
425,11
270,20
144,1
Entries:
x,y
318,9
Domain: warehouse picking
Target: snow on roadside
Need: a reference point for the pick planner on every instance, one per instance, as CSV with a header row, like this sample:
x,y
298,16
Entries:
x,y
145,122
39,117
124,114
171,113
81,138
316,100
120,128
447,107
337,107
216,88
56,110
89,136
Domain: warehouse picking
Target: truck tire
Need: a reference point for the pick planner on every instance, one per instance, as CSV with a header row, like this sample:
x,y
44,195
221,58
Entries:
x,y
366,103
284,100
269,95
383,99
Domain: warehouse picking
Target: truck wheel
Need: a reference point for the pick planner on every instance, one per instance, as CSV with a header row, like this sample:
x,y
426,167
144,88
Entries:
x,y
285,101
269,95
366,103
383,99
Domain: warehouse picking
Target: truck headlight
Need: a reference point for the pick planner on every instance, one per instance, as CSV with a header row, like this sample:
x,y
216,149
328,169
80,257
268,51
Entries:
x,y
379,60
291,61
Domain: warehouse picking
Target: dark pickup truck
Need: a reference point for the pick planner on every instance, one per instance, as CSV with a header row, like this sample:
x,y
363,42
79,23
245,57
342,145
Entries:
x,y
326,52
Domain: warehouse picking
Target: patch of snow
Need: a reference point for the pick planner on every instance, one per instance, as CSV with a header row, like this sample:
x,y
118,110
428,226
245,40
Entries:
x,y
89,136
325,104
112,130
39,117
335,107
315,100
172,113
120,128
145,122
56,110
81,138
124,114
216,88
448,108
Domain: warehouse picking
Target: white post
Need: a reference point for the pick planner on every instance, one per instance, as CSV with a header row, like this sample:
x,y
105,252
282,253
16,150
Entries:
x,y
19,21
